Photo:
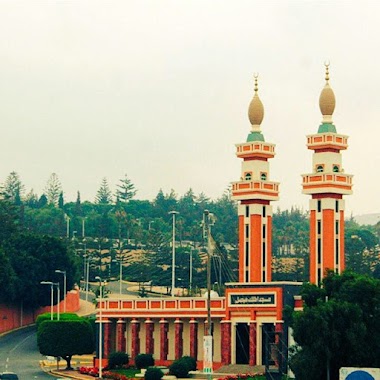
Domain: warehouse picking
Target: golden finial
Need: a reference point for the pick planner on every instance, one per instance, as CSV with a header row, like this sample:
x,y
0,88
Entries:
x,y
327,64
256,108
327,98
256,75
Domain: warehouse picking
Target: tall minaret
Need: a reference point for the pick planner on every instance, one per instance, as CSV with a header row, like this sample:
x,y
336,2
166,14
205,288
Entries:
x,y
326,184
254,192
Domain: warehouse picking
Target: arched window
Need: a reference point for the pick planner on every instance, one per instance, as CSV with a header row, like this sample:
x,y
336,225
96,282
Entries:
x,y
319,168
263,176
336,169
248,176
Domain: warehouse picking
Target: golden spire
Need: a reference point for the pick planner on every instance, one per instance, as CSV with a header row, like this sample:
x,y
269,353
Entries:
x,y
327,99
256,109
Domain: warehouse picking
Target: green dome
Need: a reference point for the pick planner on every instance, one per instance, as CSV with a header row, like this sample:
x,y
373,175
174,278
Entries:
x,y
327,127
255,136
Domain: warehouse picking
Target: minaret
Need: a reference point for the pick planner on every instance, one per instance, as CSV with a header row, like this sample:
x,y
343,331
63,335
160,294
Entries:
x,y
326,184
254,192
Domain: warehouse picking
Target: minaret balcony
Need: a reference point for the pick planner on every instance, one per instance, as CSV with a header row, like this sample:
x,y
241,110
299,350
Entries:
x,y
337,183
265,190
321,141
255,149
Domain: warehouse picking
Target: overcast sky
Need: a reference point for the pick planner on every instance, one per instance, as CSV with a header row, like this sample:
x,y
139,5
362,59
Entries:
x,y
160,90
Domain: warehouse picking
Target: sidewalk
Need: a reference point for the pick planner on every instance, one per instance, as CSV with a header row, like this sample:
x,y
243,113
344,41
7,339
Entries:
x,y
77,361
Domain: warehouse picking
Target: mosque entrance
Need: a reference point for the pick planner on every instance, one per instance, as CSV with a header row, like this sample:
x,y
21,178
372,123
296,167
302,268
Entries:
x,y
268,349
242,343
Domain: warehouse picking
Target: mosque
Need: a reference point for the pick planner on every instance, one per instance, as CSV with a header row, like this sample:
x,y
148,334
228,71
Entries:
x,y
247,322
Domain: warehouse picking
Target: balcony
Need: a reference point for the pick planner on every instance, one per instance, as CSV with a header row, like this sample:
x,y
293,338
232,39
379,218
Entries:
x,y
163,307
255,148
337,183
265,190
327,140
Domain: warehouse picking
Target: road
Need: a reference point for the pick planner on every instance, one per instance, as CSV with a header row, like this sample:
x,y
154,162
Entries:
x,y
112,286
19,354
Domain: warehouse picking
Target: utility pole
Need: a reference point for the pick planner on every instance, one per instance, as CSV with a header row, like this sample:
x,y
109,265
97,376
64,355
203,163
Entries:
x,y
207,339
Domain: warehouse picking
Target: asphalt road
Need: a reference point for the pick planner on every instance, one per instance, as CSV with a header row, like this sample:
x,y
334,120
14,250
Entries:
x,y
19,354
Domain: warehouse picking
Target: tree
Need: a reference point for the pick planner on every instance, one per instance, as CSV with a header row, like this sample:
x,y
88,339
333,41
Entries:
x,y
53,189
125,190
61,201
338,326
65,339
43,201
13,188
361,250
34,259
8,220
104,195
31,199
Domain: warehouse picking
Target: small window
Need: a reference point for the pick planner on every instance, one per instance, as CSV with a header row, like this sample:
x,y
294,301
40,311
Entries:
x,y
336,206
246,211
248,176
263,176
264,212
336,169
319,206
320,169
319,227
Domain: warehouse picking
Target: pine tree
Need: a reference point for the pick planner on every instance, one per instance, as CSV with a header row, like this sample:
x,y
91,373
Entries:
x,y
125,190
13,188
53,189
104,195
31,199
78,205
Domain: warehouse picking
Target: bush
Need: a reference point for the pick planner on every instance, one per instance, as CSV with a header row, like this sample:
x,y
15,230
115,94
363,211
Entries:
x,y
144,361
62,317
190,363
153,374
179,369
117,359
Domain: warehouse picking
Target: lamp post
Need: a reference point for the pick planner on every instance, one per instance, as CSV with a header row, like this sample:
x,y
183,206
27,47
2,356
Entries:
x,y
87,277
83,226
58,298
191,272
173,213
67,226
100,326
51,297
64,287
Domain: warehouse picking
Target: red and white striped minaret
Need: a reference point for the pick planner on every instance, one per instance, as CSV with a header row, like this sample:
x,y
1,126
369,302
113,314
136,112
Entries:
x,y
326,184
254,192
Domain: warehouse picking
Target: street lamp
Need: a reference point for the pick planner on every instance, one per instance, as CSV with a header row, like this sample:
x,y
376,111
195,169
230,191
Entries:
x,y
173,213
64,287
58,298
100,326
51,296
67,226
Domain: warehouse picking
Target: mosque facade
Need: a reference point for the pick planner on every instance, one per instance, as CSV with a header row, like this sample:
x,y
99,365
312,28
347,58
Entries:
x,y
247,323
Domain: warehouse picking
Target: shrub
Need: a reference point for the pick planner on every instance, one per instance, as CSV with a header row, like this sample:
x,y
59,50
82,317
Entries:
x,y
190,362
117,359
153,374
62,317
144,361
179,369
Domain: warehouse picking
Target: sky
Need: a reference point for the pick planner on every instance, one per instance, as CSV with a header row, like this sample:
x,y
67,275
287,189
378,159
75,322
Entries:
x,y
159,90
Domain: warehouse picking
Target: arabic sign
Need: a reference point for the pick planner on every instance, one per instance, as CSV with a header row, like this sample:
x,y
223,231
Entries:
x,y
253,299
